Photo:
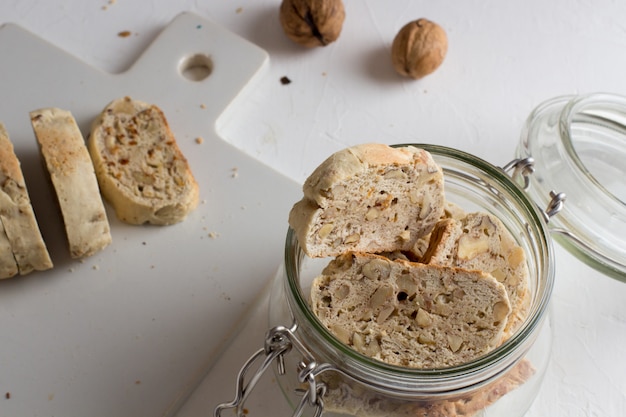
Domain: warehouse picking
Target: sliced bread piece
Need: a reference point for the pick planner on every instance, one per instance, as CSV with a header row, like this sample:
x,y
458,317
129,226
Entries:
x,y
410,314
345,397
369,198
8,264
481,241
22,248
450,211
140,168
72,175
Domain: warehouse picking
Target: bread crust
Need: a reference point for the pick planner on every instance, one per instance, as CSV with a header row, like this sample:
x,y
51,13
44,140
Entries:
x,y
139,166
72,175
22,248
410,314
369,198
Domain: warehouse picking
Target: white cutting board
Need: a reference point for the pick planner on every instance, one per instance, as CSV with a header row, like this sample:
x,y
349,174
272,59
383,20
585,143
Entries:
x,y
133,329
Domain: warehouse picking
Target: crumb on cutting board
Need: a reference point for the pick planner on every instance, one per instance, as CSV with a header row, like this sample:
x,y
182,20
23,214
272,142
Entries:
x,y
109,3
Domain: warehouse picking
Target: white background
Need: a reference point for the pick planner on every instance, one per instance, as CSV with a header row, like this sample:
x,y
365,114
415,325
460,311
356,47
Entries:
x,y
504,58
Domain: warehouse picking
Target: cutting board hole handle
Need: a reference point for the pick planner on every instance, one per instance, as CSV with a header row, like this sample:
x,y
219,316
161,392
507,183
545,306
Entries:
x,y
196,67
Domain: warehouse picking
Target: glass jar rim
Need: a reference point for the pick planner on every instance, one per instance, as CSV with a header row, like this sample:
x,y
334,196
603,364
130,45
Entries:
x,y
493,363
580,105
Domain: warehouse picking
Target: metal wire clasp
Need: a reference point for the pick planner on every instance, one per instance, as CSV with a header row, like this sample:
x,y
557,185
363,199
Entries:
x,y
523,168
279,341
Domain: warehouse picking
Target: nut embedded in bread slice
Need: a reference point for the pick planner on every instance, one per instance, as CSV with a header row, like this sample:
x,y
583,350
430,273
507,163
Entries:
x,y
22,249
140,168
481,241
410,314
72,174
369,198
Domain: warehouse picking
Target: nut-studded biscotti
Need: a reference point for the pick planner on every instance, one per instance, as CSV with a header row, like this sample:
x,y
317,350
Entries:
x,y
72,174
140,168
342,396
450,211
481,241
410,314
8,264
22,249
369,198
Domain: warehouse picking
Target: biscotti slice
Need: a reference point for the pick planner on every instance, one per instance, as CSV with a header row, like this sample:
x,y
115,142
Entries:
x,y
8,264
140,168
481,241
22,249
72,174
450,211
410,314
369,198
344,396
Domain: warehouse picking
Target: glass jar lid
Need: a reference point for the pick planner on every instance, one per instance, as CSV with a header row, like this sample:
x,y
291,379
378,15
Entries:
x,y
577,147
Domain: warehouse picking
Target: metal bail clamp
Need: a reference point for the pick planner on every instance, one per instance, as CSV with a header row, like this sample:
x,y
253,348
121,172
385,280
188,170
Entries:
x,y
279,341
522,169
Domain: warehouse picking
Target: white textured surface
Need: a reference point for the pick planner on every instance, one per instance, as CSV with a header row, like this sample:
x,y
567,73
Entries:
x,y
504,58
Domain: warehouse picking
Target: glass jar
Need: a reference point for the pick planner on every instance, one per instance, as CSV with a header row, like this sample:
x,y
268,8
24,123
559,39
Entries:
x,y
315,369
574,144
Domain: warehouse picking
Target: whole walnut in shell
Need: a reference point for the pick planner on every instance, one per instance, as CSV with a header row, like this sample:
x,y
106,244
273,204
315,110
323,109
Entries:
x,y
312,22
419,48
